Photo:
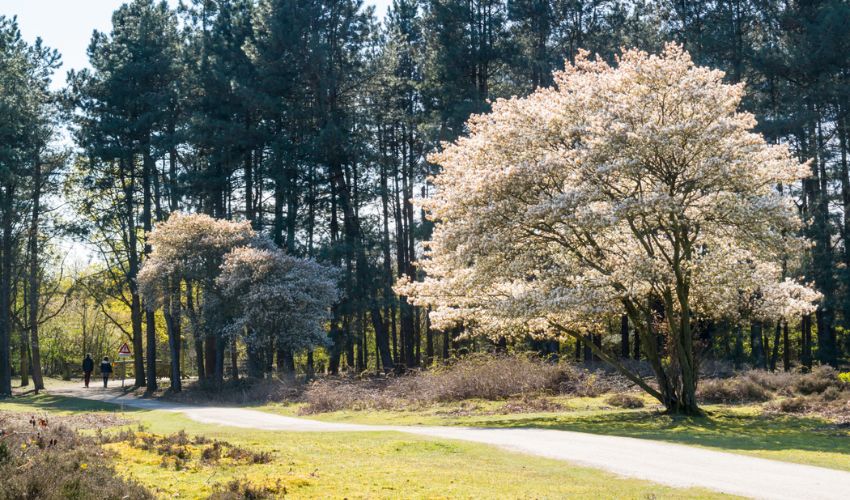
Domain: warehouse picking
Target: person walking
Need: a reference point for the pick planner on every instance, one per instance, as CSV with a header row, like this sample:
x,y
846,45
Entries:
x,y
105,370
88,367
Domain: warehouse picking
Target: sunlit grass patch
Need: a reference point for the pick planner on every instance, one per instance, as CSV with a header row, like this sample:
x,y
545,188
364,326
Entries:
x,y
359,465
748,429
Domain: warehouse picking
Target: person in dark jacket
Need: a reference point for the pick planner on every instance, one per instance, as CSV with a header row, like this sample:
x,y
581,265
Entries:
x,y
105,370
88,367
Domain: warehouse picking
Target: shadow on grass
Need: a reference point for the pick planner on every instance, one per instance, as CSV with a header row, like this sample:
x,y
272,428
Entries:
x,y
719,429
50,402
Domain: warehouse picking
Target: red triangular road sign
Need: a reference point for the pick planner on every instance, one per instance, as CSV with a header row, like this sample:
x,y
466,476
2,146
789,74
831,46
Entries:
x,y
124,350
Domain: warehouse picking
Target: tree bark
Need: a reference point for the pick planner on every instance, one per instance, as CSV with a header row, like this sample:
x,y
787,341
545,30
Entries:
x,y
5,295
196,332
756,345
786,348
172,321
128,183
147,226
806,334
624,336
34,284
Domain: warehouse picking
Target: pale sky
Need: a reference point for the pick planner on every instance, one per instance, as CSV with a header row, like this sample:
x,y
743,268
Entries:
x,y
67,25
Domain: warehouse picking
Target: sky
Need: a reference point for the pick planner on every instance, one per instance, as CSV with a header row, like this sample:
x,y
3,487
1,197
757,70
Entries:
x,y
67,25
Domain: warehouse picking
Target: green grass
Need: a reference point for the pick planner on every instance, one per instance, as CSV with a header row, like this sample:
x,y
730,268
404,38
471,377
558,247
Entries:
x,y
358,465
746,429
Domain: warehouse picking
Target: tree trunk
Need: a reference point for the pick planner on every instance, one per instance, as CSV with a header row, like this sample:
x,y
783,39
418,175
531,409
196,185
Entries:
x,y
210,356
234,360
255,360
147,226
5,295
172,321
774,356
786,348
624,336
806,334
196,332
756,345
34,284
310,369
845,204
382,341
128,183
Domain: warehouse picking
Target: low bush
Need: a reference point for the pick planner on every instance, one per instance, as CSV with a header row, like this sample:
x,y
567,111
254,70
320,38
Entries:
x,y
780,382
248,456
240,391
242,489
817,381
329,395
52,461
490,377
530,404
212,453
485,376
798,404
624,400
177,450
831,393
732,390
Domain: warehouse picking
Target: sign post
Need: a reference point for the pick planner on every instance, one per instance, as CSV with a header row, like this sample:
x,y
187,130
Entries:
x,y
124,353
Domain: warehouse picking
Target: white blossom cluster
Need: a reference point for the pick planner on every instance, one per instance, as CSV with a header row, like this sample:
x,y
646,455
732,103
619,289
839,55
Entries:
x,y
242,284
619,184
279,297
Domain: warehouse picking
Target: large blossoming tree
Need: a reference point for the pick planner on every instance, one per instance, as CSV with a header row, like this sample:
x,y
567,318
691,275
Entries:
x,y
634,189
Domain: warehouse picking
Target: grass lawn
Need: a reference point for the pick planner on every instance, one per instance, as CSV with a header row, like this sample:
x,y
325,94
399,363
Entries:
x,y
738,429
355,465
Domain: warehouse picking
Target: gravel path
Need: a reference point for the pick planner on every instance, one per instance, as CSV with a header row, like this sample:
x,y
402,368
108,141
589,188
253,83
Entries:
x,y
665,463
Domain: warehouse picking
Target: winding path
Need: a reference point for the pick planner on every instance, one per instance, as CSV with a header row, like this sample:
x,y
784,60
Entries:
x,y
665,463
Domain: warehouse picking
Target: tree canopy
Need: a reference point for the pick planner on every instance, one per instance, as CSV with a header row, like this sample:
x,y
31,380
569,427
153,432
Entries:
x,y
634,189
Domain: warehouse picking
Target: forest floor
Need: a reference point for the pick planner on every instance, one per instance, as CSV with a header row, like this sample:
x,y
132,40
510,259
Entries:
x,y
605,440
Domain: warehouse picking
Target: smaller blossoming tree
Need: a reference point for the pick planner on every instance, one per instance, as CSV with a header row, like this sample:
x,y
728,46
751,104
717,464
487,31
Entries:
x,y
232,282
278,301
634,189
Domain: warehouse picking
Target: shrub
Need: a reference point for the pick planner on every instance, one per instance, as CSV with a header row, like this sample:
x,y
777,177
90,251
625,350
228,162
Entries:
x,y
241,489
528,404
485,376
844,378
624,400
212,453
248,456
584,384
779,382
793,405
734,390
831,393
57,463
244,390
817,381
332,395
480,376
